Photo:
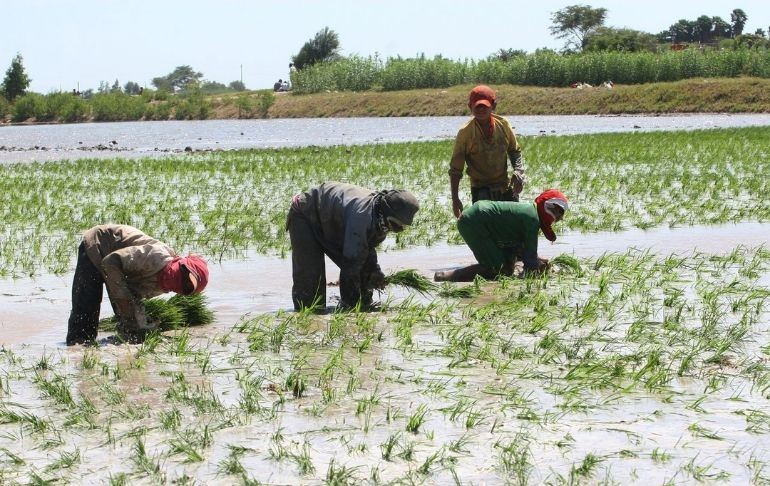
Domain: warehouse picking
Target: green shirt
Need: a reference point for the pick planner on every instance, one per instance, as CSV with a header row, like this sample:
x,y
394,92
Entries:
x,y
496,231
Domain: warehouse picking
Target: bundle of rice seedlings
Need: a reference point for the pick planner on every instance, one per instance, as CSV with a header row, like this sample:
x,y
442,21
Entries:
x,y
194,309
465,292
411,279
569,263
178,311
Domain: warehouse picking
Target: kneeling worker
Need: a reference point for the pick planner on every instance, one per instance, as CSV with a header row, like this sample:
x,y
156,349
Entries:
x,y
345,222
498,231
133,266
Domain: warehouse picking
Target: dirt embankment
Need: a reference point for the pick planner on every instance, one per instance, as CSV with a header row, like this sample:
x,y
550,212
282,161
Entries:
x,y
739,95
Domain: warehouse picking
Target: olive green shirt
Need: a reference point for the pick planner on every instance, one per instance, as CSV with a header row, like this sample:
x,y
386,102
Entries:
x,y
486,160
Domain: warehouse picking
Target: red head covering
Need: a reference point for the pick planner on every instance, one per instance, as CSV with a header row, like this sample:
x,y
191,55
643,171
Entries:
x,y
170,278
546,219
481,95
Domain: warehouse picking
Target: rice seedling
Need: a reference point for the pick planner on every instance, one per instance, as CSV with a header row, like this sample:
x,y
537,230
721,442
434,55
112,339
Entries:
x,y
458,292
340,475
410,279
515,458
417,419
173,313
568,263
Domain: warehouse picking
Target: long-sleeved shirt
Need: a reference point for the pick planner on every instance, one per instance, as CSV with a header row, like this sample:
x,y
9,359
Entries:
x,y
342,217
486,159
130,262
496,231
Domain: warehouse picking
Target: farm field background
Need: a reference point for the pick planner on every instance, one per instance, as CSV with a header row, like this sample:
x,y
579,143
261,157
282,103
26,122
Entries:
x,y
630,366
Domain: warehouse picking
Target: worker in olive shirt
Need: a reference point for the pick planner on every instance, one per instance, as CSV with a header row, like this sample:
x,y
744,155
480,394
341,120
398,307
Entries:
x,y
133,266
498,231
483,147
345,222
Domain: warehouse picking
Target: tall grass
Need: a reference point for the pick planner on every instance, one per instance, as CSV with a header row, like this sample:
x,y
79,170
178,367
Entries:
x,y
543,68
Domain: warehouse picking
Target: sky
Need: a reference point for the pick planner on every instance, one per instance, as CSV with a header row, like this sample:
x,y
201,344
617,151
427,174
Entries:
x,y
76,44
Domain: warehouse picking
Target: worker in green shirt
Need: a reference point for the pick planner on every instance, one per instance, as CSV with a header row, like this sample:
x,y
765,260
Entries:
x,y
499,231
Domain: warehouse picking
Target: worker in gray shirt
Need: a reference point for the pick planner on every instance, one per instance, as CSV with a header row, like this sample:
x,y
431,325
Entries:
x,y
346,223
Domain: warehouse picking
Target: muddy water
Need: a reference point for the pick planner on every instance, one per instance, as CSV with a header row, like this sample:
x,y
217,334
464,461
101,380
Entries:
x,y
150,139
35,311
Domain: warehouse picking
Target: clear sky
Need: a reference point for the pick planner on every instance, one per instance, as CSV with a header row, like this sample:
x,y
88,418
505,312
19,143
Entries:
x,y
68,44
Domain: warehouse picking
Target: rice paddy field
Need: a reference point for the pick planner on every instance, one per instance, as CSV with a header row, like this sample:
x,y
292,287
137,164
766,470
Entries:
x,y
628,366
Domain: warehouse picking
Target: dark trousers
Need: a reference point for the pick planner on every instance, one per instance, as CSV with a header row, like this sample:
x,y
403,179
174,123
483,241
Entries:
x,y
308,267
87,292
486,194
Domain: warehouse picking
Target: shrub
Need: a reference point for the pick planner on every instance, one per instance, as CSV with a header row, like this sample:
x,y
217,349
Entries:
x,y
117,107
266,100
28,106
5,107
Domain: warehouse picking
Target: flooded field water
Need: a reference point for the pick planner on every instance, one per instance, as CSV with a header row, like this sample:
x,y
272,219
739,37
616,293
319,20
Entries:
x,y
650,367
412,394
263,284
156,139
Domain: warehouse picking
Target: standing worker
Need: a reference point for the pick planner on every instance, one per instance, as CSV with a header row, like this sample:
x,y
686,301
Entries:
x,y
346,223
499,231
133,266
484,145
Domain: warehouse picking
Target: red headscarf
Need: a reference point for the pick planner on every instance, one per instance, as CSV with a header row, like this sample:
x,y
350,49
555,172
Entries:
x,y
170,278
546,220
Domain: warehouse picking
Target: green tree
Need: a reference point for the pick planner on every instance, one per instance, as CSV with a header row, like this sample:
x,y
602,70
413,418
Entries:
x,y
722,29
683,31
621,40
703,29
179,79
738,18
237,86
116,87
132,88
16,80
575,22
506,55
323,47
212,86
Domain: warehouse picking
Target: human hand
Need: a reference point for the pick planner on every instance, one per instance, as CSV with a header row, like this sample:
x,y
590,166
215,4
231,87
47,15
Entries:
x,y
457,207
376,280
543,265
517,184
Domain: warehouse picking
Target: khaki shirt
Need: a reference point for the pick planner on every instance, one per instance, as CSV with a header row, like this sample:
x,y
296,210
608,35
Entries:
x,y
485,161
130,262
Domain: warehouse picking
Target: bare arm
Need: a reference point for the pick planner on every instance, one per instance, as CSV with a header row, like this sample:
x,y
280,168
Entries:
x,y
454,186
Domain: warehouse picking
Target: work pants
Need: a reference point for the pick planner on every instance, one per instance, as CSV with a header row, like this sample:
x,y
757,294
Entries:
x,y
487,194
87,292
308,267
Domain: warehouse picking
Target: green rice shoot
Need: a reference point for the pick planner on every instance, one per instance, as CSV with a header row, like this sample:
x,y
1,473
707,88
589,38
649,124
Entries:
x,y
411,279
178,311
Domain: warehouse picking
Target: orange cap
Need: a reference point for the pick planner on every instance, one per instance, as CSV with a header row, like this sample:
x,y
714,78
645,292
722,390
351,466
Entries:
x,y
482,95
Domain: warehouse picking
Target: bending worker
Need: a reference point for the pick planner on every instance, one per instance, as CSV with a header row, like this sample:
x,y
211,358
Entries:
x,y
133,266
499,231
484,145
346,223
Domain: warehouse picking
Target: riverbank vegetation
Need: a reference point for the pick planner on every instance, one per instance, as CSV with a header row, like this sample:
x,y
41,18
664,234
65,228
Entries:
x,y
240,198
540,69
702,95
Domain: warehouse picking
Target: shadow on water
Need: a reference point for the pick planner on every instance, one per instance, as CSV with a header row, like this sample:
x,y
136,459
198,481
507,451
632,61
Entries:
x,y
35,311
